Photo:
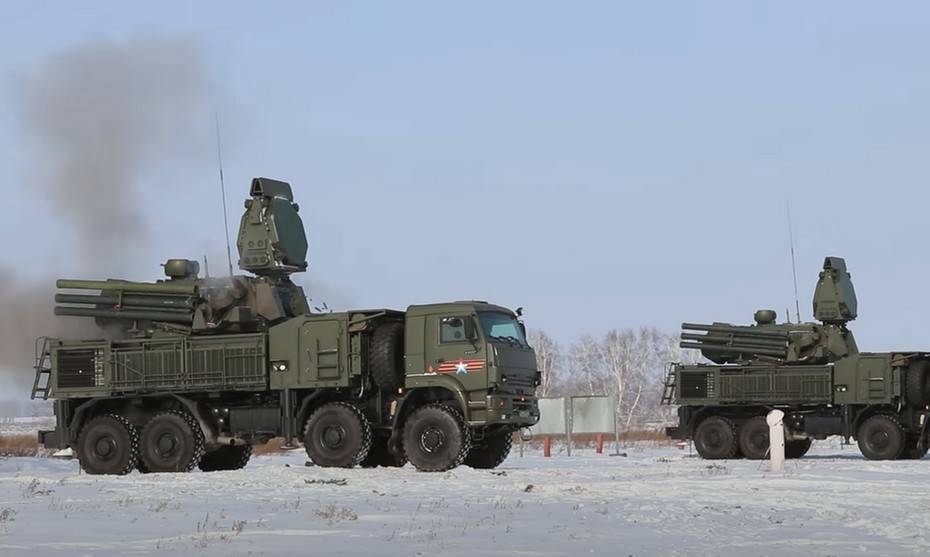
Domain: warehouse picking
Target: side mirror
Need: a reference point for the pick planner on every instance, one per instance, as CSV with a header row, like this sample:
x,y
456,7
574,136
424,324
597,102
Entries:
x,y
470,332
522,328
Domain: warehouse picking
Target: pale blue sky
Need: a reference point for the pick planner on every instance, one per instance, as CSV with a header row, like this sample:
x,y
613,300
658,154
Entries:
x,y
602,164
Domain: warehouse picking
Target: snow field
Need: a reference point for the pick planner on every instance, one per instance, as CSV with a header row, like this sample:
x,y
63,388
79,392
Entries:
x,y
657,500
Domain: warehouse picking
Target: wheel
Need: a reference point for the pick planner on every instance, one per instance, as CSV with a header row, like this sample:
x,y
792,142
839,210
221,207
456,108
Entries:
x,y
797,448
386,356
227,457
881,438
911,450
337,435
917,383
754,438
171,442
108,444
491,452
381,455
436,438
715,438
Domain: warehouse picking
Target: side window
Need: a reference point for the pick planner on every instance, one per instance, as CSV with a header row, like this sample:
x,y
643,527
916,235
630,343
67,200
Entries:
x,y
452,329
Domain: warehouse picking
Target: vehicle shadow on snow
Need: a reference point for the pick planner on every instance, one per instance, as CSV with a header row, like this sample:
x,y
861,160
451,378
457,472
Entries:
x,y
835,457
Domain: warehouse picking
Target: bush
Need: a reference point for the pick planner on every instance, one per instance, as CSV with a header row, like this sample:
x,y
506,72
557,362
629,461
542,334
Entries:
x,y
20,445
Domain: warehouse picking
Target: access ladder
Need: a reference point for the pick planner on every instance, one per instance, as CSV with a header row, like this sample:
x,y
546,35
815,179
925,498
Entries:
x,y
669,390
42,385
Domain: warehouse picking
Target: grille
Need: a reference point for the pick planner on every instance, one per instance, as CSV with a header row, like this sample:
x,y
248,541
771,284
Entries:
x,y
77,368
520,380
697,385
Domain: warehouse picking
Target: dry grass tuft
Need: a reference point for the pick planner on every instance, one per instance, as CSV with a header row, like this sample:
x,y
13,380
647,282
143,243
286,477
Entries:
x,y
589,440
274,446
643,436
20,445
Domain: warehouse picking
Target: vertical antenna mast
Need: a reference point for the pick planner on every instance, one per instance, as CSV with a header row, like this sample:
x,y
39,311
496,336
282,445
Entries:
x,y
794,267
219,160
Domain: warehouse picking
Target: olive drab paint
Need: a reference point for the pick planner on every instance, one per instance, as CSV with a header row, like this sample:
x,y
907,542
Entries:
x,y
245,359
814,372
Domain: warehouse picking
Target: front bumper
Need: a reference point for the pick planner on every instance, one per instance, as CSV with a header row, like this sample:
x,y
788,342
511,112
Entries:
x,y
519,410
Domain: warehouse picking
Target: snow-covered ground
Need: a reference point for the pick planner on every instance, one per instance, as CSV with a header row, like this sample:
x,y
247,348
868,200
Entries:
x,y
654,501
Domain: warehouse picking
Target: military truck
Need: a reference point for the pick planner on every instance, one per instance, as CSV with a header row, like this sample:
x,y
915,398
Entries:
x,y
193,372
814,372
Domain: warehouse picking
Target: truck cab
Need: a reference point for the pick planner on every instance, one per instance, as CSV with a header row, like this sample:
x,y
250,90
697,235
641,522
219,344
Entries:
x,y
478,351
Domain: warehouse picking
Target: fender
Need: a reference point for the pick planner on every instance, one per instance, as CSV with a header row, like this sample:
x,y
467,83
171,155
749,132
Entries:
x,y
208,435
304,411
412,398
444,382
77,419
74,428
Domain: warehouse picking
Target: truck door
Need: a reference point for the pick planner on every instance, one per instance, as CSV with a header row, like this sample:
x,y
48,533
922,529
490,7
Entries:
x,y
321,363
874,378
453,353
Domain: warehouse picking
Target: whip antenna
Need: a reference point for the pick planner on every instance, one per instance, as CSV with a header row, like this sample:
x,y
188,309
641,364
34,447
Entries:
x,y
794,266
219,160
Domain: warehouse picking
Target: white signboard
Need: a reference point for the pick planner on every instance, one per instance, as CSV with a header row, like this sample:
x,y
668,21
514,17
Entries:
x,y
589,414
551,417
593,414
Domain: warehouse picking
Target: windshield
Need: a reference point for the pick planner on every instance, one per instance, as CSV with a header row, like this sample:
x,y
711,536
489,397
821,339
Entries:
x,y
501,327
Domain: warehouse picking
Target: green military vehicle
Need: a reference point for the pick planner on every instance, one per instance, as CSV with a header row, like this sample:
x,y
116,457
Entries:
x,y
813,372
195,371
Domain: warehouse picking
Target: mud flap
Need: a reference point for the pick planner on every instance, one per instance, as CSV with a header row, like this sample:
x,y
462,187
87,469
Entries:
x,y
922,441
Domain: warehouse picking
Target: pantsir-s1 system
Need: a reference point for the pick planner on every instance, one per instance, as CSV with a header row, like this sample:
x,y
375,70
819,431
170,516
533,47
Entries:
x,y
195,371
814,372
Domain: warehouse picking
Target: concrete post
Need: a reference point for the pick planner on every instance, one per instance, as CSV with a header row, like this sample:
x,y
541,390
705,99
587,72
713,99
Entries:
x,y
776,440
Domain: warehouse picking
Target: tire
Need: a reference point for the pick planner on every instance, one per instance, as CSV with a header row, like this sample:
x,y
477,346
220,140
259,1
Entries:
x,y
490,453
386,356
715,438
108,444
337,435
171,442
227,457
436,438
880,437
754,438
797,448
911,451
381,455
917,383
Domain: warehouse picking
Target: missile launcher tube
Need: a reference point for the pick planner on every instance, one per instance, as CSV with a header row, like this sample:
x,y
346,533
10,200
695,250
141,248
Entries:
x,y
129,300
127,286
735,339
734,329
169,317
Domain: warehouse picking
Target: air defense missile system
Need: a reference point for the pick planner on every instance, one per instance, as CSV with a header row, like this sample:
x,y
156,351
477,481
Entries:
x,y
272,245
813,372
193,371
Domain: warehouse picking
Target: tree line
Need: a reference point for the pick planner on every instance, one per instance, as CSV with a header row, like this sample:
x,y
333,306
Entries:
x,y
630,364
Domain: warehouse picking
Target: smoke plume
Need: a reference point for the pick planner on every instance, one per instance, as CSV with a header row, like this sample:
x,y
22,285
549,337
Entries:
x,y
101,119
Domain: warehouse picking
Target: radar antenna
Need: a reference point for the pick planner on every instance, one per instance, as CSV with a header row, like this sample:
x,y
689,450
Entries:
x,y
219,161
794,266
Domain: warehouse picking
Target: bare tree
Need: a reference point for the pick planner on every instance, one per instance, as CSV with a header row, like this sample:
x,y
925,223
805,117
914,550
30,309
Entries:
x,y
618,359
548,360
586,364
630,364
647,365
